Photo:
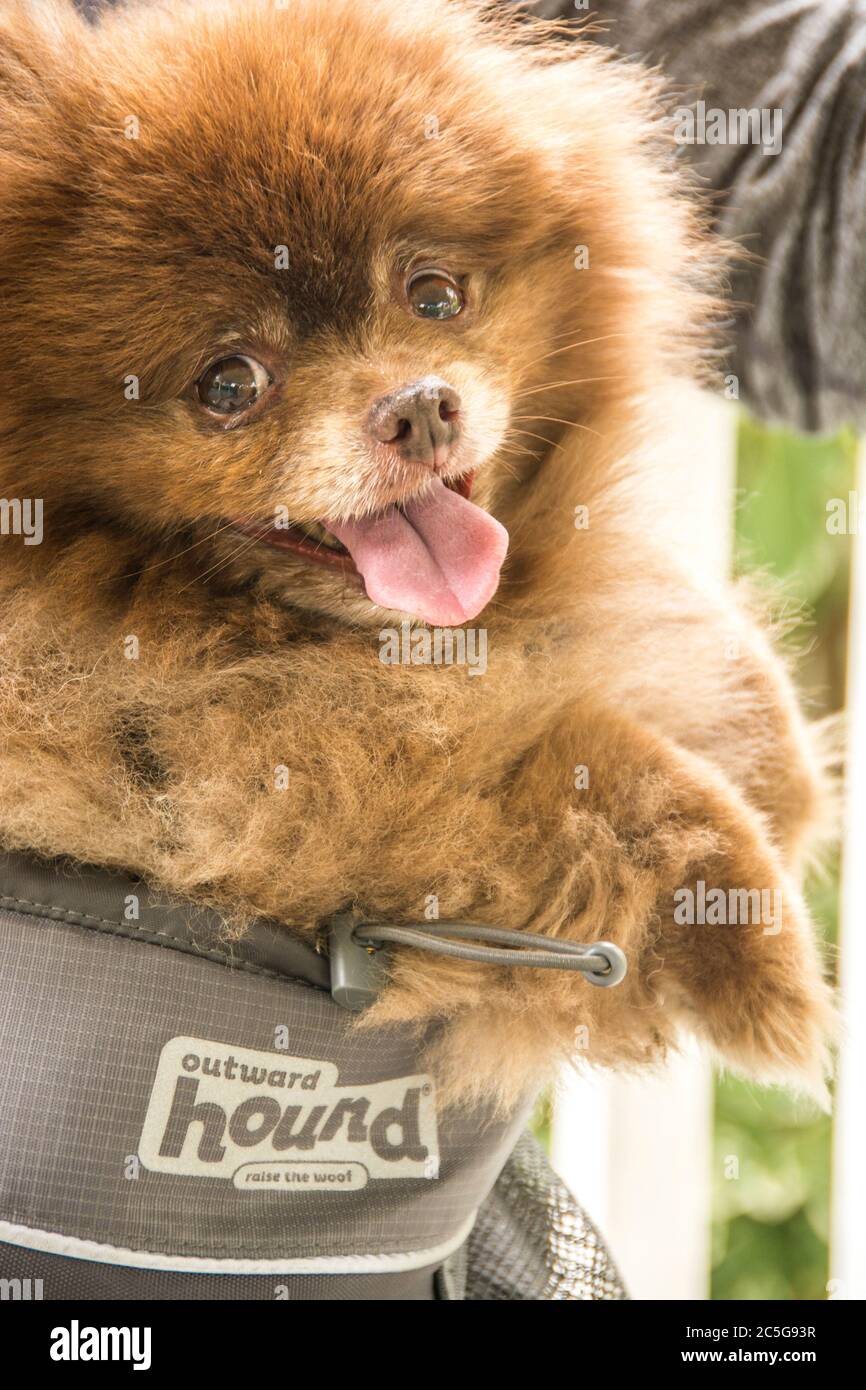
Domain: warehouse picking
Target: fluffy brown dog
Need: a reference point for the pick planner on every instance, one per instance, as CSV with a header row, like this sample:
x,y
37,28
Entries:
x,y
280,285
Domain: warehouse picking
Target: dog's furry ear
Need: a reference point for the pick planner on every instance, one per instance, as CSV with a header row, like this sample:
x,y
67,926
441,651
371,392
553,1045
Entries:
x,y
40,46
568,97
45,103
33,35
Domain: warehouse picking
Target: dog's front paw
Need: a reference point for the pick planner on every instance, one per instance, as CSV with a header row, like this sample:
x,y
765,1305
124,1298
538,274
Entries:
x,y
742,964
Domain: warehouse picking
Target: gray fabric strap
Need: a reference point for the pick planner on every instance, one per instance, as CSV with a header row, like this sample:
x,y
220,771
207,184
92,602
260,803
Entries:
x,y
58,890
354,969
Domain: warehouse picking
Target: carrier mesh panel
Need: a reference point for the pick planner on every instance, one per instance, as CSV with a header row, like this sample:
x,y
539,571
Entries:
x,y
532,1242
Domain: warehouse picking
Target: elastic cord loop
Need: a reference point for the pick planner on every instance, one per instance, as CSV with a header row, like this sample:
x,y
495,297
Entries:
x,y
602,962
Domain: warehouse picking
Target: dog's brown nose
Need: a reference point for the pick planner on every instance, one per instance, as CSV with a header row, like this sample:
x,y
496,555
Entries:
x,y
420,419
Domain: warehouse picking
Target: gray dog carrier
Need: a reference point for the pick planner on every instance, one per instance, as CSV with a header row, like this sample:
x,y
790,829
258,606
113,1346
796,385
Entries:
x,y
184,1117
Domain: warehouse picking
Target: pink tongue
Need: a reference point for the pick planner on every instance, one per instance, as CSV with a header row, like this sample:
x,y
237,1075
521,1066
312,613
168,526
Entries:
x,y
438,558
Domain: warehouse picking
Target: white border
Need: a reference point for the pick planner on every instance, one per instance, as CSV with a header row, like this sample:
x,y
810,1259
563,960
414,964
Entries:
x,y
53,1243
848,1240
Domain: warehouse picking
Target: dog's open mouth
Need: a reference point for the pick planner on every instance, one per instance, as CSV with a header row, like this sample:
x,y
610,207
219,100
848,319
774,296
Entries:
x,y
437,556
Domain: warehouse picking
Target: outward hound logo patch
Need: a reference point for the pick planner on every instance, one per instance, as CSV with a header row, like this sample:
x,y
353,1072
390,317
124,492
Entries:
x,y
272,1122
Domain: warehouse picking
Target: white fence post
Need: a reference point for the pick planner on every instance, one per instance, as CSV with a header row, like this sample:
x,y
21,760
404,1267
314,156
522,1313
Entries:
x,y
848,1244
636,1151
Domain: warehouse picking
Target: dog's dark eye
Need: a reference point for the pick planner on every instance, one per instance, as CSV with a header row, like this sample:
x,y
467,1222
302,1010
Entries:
x,y
232,384
434,295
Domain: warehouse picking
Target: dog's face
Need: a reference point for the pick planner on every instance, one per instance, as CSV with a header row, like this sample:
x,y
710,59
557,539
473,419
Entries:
x,y
299,280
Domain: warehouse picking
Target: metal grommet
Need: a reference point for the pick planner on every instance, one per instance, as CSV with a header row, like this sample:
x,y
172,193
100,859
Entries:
x,y
617,965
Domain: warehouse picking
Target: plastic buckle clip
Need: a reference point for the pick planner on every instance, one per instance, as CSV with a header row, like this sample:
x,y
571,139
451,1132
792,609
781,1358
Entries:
x,y
357,970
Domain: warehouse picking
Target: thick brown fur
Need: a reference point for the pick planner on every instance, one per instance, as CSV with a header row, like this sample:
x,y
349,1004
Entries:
x,y
309,126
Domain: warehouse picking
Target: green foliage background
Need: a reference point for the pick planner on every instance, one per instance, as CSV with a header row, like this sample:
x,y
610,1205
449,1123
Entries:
x,y
772,1155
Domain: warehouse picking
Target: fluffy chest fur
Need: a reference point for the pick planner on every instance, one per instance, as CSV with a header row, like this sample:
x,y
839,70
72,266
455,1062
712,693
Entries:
x,y
227,751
